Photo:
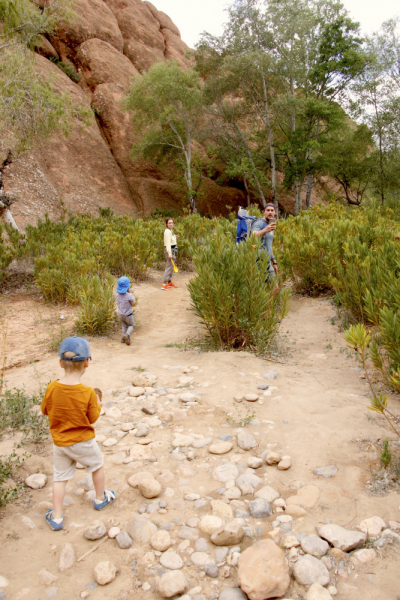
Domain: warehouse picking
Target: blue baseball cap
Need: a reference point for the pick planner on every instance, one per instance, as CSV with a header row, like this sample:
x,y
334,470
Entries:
x,y
123,285
79,346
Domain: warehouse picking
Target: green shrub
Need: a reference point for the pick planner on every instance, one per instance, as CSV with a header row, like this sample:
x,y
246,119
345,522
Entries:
x,y
8,492
229,293
17,412
96,297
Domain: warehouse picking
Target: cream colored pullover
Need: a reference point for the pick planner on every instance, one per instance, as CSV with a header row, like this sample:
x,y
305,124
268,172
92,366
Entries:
x,y
169,240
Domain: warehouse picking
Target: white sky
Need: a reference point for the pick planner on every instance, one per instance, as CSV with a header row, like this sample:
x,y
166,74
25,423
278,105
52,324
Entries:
x,y
195,16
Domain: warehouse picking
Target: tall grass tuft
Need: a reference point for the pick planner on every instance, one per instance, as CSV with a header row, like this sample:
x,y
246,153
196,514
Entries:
x,y
96,297
230,296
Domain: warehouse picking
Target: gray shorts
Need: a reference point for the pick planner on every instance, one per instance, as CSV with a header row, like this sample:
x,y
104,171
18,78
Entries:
x,y
65,459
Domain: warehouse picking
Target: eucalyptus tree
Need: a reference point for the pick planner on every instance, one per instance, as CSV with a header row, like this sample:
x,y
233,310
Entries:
x,y
167,106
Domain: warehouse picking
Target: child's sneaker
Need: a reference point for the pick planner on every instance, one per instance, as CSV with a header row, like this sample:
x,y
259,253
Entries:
x,y
172,285
123,340
109,497
53,522
165,286
128,340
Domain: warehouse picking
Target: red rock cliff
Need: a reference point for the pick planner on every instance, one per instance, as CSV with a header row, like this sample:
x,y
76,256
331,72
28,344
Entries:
x,y
109,42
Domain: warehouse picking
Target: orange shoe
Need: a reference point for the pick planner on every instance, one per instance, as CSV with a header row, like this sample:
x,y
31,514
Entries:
x,y
171,285
165,286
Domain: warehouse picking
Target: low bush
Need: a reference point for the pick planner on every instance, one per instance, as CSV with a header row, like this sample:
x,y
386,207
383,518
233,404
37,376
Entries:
x,y
230,296
19,412
96,297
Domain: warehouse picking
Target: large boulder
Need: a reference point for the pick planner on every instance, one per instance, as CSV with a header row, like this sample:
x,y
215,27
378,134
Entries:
x,y
90,19
100,62
263,571
163,20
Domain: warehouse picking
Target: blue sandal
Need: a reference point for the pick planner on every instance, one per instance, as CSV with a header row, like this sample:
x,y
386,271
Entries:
x,y
51,522
109,497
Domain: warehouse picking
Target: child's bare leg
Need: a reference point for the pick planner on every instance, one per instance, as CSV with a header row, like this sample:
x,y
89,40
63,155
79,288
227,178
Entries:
x,y
58,498
99,482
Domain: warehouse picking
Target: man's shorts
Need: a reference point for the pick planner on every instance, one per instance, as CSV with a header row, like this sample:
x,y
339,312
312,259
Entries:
x,y
65,459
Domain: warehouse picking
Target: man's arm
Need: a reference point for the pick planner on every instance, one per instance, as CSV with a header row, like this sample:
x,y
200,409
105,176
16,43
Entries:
x,y
267,229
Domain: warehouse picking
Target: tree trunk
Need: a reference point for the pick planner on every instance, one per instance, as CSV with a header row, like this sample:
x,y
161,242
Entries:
x,y
264,203
247,191
310,185
271,147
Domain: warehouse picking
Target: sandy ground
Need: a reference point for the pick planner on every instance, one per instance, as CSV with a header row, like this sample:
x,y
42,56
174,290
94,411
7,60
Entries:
x,y
316,414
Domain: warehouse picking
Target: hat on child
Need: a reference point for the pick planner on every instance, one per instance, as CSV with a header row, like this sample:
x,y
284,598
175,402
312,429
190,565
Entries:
x,y
79,346
123,285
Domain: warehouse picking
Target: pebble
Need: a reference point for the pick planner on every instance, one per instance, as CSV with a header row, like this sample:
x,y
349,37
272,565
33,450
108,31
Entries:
x,y
229,535
254,462
66,558
161,541
220,448
317,592
113,532
232,594
225,437
110,442
201,545
307,497
141,530
211,570
46,577
4,582
171,560
225,472
273,458
149,487
270,374
3,595
36,481
127,426
284,464
312,544
372,526
51,592
341,538
187,533
251,397
200,559
135,392
95,530
268,493
246,440
326,472
171,584
104,572
202,443
28,522
209,524
124,540
260,508
365,555
308,570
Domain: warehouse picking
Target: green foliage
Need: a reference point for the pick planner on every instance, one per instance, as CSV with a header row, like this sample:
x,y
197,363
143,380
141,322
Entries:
x,y
18,412
8,493
69,69
96,297
240,420
7,253
386,455
230,296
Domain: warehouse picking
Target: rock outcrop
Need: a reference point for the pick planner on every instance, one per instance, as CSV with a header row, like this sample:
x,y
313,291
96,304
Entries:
x,y
109,42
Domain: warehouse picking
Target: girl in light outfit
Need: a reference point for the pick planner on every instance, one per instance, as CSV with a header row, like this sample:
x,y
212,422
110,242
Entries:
x,y
169,253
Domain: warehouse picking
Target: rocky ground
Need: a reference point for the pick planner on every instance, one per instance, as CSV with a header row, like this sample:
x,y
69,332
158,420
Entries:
x,y
229,470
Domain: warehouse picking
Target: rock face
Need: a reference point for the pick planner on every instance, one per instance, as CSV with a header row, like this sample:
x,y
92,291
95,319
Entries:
x,y
109,42
263,571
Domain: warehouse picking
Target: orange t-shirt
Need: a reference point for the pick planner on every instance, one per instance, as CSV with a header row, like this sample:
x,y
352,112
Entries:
x,y
71,410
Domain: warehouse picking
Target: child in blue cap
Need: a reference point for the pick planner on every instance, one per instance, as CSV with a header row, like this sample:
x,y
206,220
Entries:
x,y
125,302
72,409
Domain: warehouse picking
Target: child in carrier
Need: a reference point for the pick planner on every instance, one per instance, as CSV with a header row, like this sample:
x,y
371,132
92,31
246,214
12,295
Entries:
x,y
125,302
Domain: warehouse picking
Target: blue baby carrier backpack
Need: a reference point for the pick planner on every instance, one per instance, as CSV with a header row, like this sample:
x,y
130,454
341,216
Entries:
x,y
244,225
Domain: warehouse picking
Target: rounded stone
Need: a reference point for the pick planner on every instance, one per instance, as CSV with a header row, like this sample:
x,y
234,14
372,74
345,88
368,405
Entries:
x,y
171,560
200,559
308,570
260,508
161,541
284,464
149,488
220,448
273,458
66,558
312,544
317,592
251,397
171,584
104,572
124,540
263,571
135,392
95,530
254,462
113,532
36,481
3,582
326,472
209,524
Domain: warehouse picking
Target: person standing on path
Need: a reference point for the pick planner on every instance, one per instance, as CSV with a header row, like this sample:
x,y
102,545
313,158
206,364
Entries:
x,y
265,228
125,302
170,249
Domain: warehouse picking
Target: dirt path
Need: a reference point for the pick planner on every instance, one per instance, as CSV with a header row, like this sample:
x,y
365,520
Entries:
x,y
316,413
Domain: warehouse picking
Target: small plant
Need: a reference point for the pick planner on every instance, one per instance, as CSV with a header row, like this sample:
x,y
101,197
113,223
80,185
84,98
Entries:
x,y
241,420
67,68
181,345
8,493
328,347
358,339
386,455
18,413
139,369
97,314
57,336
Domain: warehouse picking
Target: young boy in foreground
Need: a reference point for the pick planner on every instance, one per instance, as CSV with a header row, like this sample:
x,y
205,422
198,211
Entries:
x,y
72,408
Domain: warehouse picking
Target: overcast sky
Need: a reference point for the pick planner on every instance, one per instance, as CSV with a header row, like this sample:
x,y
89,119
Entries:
x,y
195,16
